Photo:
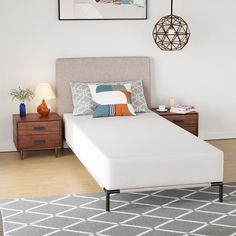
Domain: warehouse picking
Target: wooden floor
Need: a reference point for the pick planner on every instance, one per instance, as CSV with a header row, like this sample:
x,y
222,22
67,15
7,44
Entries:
x,y
229,149
41,174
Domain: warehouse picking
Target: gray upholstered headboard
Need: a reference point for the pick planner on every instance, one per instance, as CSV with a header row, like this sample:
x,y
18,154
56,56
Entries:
x,y
100,69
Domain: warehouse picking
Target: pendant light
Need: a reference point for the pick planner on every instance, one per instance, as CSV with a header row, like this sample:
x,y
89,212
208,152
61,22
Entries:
x,y
171,33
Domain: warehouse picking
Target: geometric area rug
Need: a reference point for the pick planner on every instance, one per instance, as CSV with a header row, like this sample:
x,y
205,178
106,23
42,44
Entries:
x,y
194,211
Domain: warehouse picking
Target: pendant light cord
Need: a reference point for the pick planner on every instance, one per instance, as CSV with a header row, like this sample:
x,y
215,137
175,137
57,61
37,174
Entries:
x,y
171,7
171,13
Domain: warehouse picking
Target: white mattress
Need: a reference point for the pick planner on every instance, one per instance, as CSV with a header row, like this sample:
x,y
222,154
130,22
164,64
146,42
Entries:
x,y
144,151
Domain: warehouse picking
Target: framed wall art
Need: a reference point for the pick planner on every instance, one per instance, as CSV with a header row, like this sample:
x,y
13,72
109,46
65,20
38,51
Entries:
x,y
102,9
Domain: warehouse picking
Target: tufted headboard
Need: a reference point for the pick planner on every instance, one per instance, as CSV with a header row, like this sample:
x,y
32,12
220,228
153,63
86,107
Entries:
x,y
98,69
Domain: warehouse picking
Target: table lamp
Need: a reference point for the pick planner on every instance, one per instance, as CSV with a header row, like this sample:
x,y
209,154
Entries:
x,y
44,91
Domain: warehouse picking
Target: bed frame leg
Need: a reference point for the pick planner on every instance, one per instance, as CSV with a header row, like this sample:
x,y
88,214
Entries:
x,y
221,190
107,201
108,193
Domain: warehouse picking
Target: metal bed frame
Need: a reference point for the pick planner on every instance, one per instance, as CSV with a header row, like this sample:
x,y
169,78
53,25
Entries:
x,y
110,192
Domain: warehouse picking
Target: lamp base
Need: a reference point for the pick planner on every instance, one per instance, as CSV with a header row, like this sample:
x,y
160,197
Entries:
x,y
43,109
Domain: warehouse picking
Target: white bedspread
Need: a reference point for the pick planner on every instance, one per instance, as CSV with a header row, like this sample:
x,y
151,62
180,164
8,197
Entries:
x,y
142,151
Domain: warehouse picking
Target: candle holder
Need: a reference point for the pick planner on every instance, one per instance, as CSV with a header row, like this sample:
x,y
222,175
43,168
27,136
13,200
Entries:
x,y
171,102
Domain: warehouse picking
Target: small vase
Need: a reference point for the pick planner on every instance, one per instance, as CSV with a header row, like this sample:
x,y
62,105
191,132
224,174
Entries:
x,y
43,109
22,109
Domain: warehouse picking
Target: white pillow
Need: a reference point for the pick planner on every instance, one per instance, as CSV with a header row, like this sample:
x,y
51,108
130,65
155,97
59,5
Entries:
x,y
114,96
112,100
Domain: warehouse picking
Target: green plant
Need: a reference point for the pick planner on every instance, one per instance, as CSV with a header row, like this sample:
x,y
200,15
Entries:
x,y
21,94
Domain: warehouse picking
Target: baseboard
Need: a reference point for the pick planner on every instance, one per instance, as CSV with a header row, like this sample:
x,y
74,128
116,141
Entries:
x,y
7,147
65,145
217,135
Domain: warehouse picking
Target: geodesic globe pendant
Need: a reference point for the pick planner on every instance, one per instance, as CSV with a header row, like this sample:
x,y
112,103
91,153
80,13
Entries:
x,y
171,33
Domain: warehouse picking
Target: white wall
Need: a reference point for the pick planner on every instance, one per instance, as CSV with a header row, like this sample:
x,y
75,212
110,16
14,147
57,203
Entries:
x,y
203,74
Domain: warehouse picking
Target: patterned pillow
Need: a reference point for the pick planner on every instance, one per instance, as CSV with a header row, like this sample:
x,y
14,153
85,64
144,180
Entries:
x,y
112,100
138,99
82,99
84,105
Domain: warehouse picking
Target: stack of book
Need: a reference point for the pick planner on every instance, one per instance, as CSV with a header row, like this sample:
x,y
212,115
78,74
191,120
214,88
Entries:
x,y
182,109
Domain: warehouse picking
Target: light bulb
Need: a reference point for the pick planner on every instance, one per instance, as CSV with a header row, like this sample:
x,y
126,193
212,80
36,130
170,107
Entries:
x,y
171,31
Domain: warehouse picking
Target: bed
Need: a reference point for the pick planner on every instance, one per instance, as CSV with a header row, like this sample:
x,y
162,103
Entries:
x,y
145,152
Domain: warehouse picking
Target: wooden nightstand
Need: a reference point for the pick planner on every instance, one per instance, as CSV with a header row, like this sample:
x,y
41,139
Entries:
x,y
187,121
33,132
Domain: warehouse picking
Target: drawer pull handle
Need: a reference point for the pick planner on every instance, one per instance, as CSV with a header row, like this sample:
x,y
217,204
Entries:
x,y
38,128
39,141
178,121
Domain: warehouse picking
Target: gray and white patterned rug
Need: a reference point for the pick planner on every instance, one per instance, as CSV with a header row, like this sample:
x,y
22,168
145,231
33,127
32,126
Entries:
x,y
161,213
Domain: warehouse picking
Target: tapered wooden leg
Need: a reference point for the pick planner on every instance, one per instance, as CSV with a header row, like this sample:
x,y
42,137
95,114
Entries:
x,y
21,155
56,152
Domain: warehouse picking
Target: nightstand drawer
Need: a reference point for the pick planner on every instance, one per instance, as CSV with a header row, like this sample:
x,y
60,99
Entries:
x,y
30,128
183,120
39,141
192,130
187,121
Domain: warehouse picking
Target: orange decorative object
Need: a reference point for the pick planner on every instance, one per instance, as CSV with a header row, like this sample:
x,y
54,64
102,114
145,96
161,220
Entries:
x,y
43,109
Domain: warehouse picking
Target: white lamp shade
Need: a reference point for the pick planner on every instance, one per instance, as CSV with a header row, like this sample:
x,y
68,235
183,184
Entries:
x,y
44,91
